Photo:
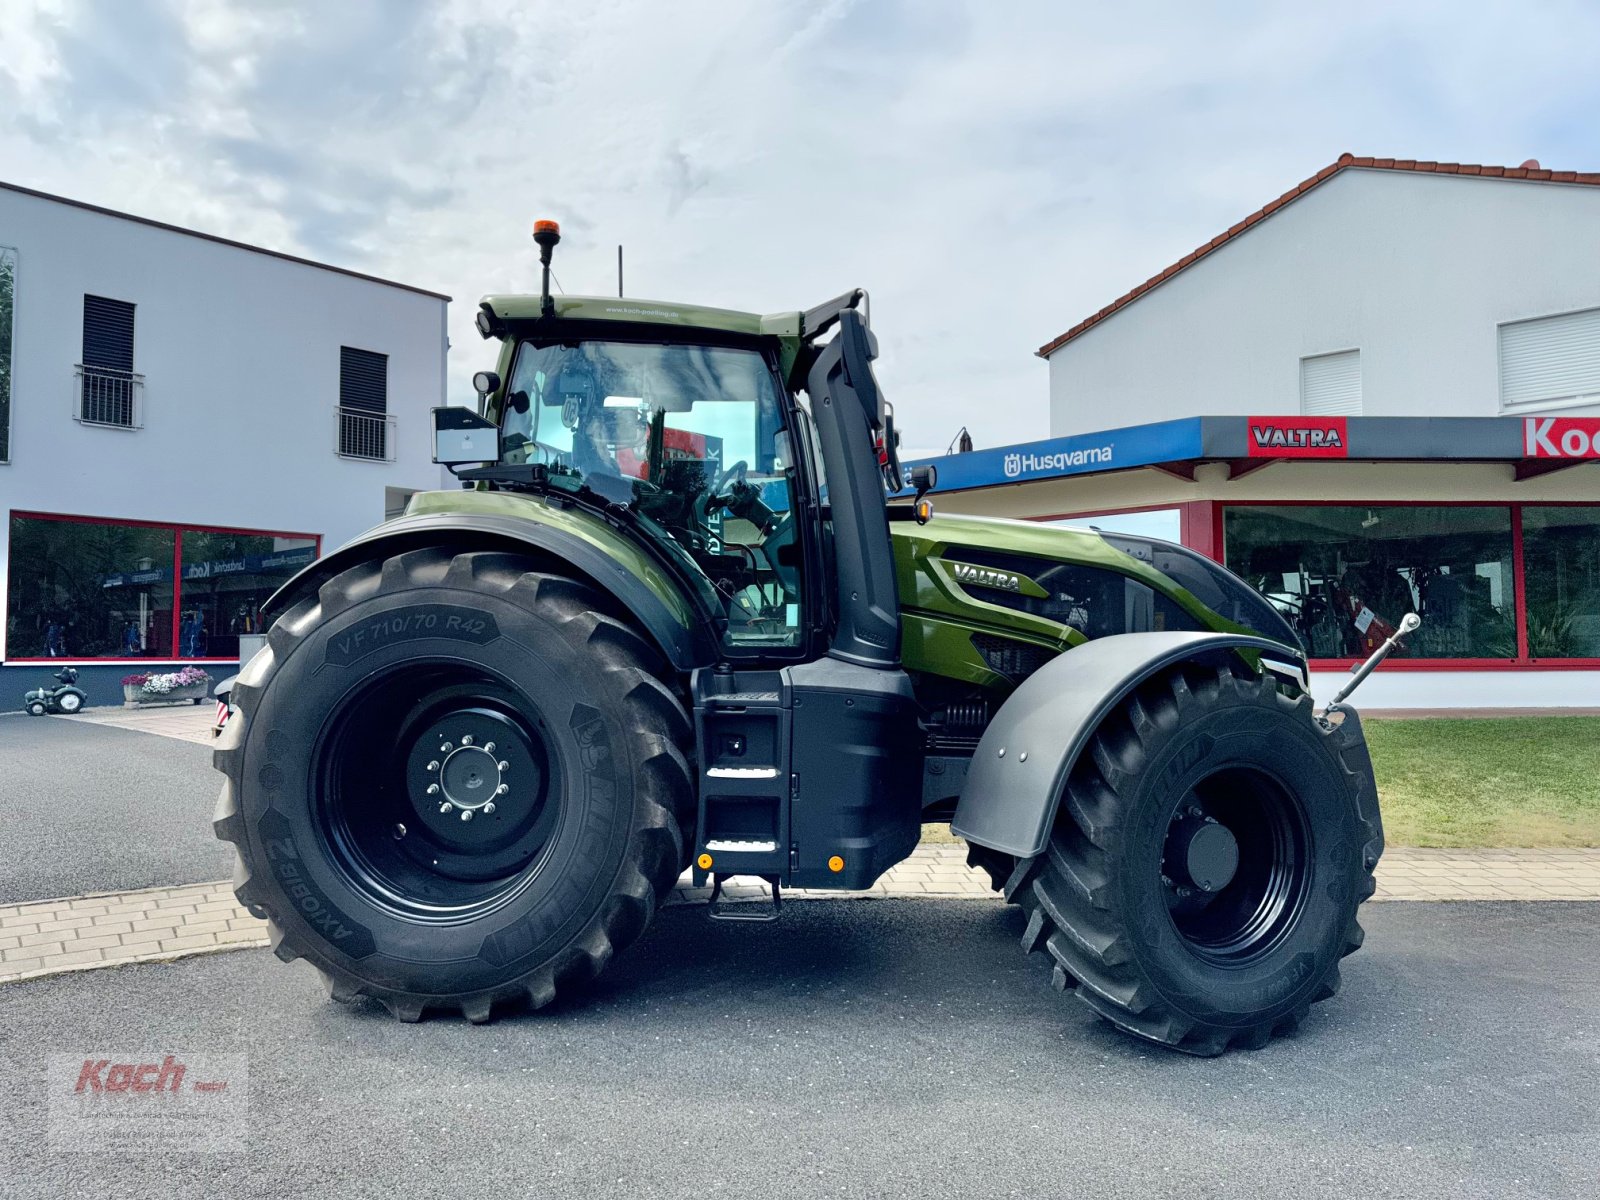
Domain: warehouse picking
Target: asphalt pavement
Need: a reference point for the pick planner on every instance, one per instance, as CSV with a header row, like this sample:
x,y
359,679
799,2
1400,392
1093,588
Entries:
x,y
863,1049
88,808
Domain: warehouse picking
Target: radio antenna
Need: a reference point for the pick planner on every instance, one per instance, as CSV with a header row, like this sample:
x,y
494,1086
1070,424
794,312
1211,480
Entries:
x,y
619,270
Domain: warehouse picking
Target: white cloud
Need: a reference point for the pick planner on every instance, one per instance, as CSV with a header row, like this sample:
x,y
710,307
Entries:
x,y
991,172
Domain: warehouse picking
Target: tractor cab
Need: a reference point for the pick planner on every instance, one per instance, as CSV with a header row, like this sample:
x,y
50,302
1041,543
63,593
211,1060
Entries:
x,y
692,441
698,431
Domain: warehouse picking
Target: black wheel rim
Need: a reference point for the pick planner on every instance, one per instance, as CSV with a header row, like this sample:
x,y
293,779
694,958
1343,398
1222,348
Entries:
x,y
439,793
1236,865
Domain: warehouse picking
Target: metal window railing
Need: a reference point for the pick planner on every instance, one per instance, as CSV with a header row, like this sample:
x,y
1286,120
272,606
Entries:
x,y
107,396
362,434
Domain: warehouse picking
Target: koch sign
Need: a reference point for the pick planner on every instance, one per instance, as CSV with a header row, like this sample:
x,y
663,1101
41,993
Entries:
x,y
1111,450
1297,437
1561,437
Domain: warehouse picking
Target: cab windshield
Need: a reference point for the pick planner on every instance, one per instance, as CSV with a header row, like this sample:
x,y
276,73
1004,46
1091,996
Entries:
x,y
690,437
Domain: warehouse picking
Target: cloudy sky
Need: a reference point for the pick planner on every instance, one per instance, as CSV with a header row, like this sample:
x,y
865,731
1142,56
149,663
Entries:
x,y
991,171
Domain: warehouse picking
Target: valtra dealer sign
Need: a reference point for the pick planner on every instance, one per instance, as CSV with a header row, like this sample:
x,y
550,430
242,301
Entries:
x,y
1298,437
1561,437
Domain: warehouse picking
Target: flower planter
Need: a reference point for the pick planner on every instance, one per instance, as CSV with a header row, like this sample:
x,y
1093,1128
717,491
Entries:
x,y
186,695
191,691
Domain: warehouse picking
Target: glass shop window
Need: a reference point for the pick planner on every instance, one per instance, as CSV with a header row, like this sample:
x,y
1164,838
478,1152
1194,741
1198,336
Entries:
x,y
1561,573
1344,575
80,589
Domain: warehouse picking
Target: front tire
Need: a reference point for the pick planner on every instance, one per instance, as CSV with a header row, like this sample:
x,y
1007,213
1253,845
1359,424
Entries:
x,y
1208,858
453,784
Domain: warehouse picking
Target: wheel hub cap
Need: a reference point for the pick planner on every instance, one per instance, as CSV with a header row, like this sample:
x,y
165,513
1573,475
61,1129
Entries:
x,y
471,776
472,780
1200,853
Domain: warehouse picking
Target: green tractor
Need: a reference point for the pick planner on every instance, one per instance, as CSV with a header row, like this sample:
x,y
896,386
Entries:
x,y
689,612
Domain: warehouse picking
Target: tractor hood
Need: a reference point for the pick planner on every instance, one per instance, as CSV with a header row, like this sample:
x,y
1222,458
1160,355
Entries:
x,y
988,600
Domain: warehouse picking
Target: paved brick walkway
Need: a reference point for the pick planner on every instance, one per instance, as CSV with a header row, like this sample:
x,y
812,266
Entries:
x,y
160,924
185,722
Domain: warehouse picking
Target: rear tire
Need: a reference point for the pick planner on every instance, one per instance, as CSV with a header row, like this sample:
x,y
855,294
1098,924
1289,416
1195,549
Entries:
x,y
1208,858
70,703
453,784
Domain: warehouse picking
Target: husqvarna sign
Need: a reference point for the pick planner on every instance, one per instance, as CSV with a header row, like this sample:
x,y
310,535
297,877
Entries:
x,y
1064,460
1082,454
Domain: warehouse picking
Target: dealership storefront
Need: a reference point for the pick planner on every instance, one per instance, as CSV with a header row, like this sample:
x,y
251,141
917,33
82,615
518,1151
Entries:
x,y
123,597
1489,528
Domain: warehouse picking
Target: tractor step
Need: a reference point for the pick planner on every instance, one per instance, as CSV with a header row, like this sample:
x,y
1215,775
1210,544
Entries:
x,y
745,778
746,910
810,776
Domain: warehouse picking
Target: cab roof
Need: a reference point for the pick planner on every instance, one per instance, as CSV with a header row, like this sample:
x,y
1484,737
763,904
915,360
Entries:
x,y
515,309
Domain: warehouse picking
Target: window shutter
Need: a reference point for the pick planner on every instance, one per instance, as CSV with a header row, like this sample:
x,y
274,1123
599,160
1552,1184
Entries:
x,y
363,380
1330,385
107,333
1550,359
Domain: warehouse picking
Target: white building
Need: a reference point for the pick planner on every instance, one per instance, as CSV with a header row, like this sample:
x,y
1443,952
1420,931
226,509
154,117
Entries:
x,y
1379,393
184,421
1374,288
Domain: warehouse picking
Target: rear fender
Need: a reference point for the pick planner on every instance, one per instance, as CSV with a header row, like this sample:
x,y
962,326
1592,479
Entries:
x,y
1020,767
685,641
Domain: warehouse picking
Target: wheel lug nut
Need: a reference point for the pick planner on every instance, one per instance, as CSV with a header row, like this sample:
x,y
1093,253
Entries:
x,y
488,808
466,814
504,766
489,747
434,765
445,748
399,831
446,807
502,789
466,739
433,789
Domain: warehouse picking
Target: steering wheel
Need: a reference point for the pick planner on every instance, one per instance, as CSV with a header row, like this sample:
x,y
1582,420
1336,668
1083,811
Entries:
x,y
719,493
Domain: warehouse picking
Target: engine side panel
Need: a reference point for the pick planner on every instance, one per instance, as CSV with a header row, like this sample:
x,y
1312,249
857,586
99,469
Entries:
x,y
987,602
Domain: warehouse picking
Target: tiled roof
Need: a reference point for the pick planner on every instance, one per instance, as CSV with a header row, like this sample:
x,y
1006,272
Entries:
x,y
1532,173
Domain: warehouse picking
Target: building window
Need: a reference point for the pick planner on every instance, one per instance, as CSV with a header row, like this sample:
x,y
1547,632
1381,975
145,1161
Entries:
x,y
1345,575
84,589
364,423
107,390
8,306
1550,361
1561,556
1330,384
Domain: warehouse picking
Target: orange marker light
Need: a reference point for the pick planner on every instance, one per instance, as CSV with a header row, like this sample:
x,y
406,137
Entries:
x,y
704,862
836,864
546,227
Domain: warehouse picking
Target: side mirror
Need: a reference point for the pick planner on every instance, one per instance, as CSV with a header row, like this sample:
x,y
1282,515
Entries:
x,y
462,436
